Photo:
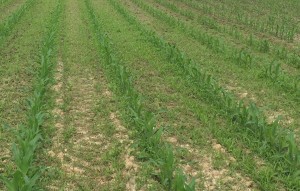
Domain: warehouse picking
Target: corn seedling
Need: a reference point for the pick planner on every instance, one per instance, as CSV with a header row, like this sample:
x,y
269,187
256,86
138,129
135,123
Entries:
x,y
273,71
243,58
294,59
264,46
167,167
181,184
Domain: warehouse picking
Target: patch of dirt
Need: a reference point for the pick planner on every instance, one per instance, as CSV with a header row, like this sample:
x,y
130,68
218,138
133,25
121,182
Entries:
x,y
131,167
116,122
81,108
172,140
240,93
219,148
57,88
213,178
107,93
297,38
273,115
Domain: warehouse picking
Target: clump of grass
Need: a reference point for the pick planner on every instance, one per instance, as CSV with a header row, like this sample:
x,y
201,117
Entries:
x,y
264,46
68,133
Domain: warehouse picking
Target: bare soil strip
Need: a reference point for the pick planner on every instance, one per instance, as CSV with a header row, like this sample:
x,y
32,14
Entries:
x,y
91,147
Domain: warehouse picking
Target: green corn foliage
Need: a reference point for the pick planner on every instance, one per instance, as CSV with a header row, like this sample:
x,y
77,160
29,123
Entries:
x,y
264,46
149,136
11,21
181,183
277,76
273,71
294,59
28,137
248,116
282,53
167,167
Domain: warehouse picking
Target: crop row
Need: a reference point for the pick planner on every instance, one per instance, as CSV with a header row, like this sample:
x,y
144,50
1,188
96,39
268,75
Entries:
x,y
272,25
3,1
152,147
241,57
261,45
29,136
12,20
276,143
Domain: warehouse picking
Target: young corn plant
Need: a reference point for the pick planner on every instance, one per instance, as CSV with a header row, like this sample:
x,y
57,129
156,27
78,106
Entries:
x,y
264,46
294,59
273,71
166,166
243,58
282,53
180,182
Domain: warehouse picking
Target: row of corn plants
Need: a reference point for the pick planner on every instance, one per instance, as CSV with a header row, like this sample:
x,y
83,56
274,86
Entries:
x,y
3,1
152,148
242,57
29,136
280,52
283,28
188,14
277,144
12,20
261,45
274,72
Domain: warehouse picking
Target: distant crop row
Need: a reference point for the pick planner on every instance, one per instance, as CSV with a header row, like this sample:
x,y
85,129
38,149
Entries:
x,y
238,55
283,28
261,45
3,1
11,21
276,143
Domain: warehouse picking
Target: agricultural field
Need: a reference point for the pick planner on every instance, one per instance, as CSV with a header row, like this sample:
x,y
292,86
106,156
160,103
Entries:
x,y
175,95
